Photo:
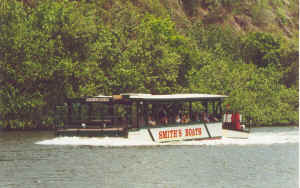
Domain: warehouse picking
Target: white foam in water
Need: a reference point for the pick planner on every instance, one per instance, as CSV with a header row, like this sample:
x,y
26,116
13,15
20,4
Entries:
x,y
259,136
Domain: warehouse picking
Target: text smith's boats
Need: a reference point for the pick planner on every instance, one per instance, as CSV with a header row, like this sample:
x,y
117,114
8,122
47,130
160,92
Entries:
x,y
160,118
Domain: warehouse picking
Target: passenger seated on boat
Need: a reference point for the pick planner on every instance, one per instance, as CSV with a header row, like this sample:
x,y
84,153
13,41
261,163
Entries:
x,y
196,117
151,121
212,118
204,117
177,119
164,120
185,119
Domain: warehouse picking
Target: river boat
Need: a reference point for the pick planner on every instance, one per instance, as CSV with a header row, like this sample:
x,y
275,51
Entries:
x,y
159,118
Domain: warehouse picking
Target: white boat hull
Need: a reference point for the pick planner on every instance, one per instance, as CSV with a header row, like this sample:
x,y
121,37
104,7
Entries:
x,y
235,134
186,132
177,133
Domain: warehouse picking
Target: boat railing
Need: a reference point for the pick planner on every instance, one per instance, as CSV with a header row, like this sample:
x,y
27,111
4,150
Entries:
x,y
92,122
245,122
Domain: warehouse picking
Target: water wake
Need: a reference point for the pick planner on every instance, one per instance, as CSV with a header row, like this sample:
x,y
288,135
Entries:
x,y
258,136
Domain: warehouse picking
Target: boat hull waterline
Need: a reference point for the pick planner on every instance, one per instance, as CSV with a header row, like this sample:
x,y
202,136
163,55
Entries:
x,y
199,131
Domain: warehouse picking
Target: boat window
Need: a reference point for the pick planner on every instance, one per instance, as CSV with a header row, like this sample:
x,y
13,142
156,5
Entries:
x,y
121,114
99,111
75,111
212,112
164,114
99,114
79,111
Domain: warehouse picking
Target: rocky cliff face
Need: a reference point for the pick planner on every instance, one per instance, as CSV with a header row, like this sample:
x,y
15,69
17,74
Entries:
x,y
275,16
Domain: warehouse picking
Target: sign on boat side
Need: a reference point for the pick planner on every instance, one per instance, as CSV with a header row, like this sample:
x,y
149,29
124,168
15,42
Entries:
x,y
188,132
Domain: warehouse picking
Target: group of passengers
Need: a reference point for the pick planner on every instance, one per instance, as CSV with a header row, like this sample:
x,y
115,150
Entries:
x,y
208,117
184,119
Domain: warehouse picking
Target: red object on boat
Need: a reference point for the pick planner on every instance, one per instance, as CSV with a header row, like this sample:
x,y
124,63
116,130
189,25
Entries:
x,y
232,120
237,121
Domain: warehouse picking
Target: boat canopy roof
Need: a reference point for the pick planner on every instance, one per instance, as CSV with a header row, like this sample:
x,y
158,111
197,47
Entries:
x,y
177,97
153,98
103,96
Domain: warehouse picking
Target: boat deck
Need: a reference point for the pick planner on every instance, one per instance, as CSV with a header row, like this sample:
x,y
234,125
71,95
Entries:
x,y
238,134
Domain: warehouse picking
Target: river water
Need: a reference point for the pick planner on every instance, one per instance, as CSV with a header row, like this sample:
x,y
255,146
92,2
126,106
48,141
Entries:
x,y
269,158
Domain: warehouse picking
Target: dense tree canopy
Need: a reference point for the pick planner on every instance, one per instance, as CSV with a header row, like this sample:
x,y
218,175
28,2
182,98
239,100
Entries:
x,y
60,49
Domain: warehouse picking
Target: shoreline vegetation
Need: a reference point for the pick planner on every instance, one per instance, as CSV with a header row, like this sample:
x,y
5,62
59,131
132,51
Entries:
x,y
51,50
53,128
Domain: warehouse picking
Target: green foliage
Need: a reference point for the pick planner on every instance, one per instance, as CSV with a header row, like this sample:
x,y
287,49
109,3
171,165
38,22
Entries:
x,y
261,13
44,59
148,63
261,49
251,69
213,37
60,49
289,61
254,92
